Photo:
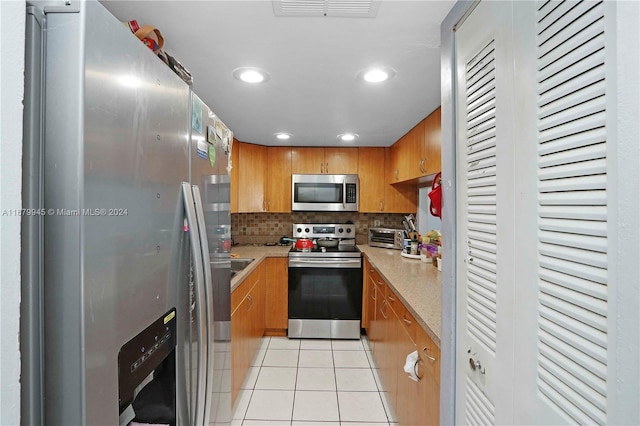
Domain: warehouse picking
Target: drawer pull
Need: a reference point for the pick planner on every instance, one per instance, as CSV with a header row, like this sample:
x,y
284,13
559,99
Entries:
x,y
406,321
384,305
393,299
250,299
424,350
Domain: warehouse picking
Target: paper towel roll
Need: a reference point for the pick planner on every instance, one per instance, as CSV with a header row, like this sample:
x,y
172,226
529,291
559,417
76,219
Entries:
x,y
410,366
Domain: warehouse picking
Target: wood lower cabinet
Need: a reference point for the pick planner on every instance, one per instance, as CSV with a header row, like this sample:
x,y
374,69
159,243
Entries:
x,y
277,295
393,333
247,325
428,403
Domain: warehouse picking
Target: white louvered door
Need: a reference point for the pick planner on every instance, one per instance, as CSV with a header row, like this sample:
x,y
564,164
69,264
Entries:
x,y
564,303
485,176
534,214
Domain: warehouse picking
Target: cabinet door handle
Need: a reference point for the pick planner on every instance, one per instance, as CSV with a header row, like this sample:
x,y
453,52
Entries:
x,y
381,205
250,299
393,299
396,174
420,166
429,357
384,305
406,321
416,369
326,167
321,167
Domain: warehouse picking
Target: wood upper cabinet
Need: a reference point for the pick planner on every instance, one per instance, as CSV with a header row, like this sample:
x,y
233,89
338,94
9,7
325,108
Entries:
x,y
277,287
234,175
324,160
406,155
278,198
376,192
372,180
252,177
399,198
432,142
417,154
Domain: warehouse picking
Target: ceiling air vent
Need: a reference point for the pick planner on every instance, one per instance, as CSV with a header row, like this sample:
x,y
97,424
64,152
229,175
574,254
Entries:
x,y
328,8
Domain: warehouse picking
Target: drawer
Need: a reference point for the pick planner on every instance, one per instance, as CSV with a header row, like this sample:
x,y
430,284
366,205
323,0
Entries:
x,y
409,323
393,301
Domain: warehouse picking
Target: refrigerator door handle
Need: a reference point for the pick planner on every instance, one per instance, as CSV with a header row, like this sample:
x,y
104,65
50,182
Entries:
x,y
208,303
196,249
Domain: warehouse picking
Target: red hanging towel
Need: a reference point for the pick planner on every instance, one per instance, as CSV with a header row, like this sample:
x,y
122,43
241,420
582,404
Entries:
x,y
435,195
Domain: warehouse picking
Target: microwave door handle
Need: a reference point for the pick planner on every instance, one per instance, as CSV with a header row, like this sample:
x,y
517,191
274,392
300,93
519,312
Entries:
x,y
344,193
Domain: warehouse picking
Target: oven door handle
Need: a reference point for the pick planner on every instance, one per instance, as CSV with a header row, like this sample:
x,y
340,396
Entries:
x,y
304,263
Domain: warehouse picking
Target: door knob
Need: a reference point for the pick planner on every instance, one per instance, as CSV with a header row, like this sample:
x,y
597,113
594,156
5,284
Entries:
x,y
475,365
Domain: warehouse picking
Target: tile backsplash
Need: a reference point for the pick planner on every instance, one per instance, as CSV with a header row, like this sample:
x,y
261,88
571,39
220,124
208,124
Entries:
x,y
261,228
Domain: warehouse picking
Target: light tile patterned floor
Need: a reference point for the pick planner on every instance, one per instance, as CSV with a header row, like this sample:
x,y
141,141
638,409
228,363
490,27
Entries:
x,y
303,382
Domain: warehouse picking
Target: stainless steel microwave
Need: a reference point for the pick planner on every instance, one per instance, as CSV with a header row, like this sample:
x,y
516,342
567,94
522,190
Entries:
x,y
324,193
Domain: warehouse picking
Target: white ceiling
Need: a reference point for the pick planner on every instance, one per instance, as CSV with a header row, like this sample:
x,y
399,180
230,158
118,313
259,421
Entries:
x,y
314,92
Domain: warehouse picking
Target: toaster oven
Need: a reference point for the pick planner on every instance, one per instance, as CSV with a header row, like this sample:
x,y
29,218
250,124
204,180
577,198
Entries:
x,y
386,238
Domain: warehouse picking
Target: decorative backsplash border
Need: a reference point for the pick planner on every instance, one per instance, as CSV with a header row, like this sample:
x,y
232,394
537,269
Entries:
x,y
262,228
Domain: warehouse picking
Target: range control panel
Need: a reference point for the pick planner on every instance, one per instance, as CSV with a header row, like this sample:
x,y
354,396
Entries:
x,y
324,230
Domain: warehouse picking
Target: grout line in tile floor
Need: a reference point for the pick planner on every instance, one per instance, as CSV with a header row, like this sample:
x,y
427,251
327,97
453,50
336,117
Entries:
x,y
355,403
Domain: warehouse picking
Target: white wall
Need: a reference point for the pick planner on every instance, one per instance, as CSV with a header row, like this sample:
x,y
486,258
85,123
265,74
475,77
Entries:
x,y
12,27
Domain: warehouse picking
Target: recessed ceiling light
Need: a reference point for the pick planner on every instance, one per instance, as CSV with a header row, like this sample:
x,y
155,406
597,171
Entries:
x,y
377,75
348,137
283,136
251,74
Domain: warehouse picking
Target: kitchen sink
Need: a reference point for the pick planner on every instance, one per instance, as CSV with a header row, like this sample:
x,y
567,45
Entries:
x,y
238,264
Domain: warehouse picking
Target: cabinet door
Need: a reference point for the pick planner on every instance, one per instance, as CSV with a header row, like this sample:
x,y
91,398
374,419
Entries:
x,y
372,180
413,153
399,198
307,160
277,288
252,173
235,184
405,156
428,393
240,338
341,161
278,197
407,398
431,151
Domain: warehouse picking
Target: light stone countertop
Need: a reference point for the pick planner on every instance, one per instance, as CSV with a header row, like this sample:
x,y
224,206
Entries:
x,y
257,252
416,283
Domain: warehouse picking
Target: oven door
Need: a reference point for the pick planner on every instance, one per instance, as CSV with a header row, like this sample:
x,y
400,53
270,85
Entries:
x,y
325,298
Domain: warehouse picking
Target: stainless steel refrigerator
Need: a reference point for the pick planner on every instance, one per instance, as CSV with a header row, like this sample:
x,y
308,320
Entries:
x,y
125,238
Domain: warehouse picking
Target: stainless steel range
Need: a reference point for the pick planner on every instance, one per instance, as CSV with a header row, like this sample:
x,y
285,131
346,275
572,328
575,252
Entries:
x,y
325,283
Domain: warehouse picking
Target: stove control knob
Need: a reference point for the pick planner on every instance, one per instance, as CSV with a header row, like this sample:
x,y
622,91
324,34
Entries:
x,y
340,231
298,230
306,230
348,230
